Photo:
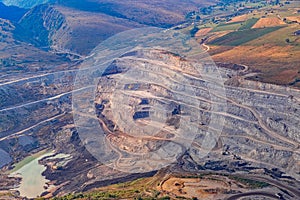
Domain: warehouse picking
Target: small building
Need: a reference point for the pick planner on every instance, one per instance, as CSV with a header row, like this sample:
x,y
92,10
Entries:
x,y
297,32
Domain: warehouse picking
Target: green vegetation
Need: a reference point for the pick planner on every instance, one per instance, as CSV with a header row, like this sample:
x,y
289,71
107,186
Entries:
x,y
165,198
278,38
248,24
194,31
227,27
240,37
137,189
253,184
110,195
143,189
7,62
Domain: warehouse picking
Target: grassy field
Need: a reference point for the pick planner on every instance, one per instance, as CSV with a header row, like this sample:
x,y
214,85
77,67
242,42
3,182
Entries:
x,y
137,189
271,52
241,37
227,27
248,24
253,184
278,37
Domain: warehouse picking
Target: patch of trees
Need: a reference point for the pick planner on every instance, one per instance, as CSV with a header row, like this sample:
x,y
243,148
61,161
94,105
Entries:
x,y
287,40
7,62
194,31
206,10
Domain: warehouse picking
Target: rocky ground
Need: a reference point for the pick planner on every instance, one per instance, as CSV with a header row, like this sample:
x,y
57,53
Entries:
x,y
153,107
260,129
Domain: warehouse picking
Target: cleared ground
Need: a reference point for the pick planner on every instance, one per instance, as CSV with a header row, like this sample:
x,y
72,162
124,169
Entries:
x,y
268,22
264,40
240,18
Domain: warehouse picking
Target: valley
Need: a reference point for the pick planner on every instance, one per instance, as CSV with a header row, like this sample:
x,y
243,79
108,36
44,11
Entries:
x,y
150,113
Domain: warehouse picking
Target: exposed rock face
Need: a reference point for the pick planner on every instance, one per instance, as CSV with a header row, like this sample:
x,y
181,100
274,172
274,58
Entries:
x,y
68,30
83,31
41,23
261,120
261,129
79,26
156,13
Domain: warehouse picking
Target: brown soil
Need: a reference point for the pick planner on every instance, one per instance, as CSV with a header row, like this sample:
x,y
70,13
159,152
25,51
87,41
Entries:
x,y
294,18
202,32
268,22
275,64
240,18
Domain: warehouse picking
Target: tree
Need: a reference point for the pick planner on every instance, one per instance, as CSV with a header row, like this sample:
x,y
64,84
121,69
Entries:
x,y
194,31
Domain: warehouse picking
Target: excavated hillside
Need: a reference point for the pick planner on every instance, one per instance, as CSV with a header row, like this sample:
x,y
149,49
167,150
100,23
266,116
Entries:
x,y
261,120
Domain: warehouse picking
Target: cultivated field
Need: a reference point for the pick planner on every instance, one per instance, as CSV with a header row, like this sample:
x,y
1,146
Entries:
x,y
268,22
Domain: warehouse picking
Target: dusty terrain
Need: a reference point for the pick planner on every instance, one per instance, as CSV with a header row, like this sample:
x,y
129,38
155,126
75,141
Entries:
x,y
245,106
259,140
273,144
268,22
263,39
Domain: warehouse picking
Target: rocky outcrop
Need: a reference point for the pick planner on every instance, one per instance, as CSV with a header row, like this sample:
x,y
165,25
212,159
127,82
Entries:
x,y
154,13
261,129
68,30
261,122
41,24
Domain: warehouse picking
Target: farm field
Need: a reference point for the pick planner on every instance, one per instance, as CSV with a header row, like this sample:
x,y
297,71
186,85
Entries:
x,y
248,24
226,27
263,39
268,22
237,38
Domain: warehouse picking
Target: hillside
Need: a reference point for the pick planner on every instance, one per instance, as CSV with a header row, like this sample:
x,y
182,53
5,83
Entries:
x,y
161,13
154,13
66,29
263,39
25,3
18,57
11,13
147,114
79,26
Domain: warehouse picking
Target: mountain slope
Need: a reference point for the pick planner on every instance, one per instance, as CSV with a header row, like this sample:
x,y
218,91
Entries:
x,y
79,26
67,29
11,13
25,3
164,13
